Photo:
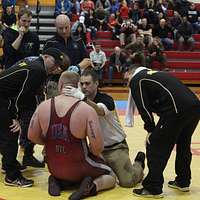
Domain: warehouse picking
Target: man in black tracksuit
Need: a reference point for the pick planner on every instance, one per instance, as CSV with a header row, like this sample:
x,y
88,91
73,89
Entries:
x,y
179,112
21,80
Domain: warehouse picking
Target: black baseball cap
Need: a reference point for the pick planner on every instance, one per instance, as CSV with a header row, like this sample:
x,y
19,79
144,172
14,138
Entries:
x,y
57,54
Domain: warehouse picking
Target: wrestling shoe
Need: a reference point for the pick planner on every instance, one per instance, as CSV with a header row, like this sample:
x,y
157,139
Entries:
x,y
140,157
53,186
175,185
146,194
19,182
87,189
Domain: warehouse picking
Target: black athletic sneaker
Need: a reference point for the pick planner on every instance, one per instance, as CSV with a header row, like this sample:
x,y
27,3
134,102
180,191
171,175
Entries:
x,y
175,185
53,186
140,157
22,168
33,162
87,189
20,182
146,194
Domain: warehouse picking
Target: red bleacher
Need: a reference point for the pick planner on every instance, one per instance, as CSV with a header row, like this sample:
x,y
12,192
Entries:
x,y
185,65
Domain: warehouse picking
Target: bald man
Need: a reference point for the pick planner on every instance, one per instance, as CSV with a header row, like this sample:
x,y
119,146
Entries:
x,y
54,124
117,62
63,41
74,49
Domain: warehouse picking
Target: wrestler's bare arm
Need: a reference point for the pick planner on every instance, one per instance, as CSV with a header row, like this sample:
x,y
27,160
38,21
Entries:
x,y
37,125
94,132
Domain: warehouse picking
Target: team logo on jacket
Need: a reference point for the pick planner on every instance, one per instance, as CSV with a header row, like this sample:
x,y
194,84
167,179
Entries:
x,y
150,72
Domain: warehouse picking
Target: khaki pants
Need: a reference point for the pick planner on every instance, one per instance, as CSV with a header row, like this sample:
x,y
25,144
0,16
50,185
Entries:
x,y
117,158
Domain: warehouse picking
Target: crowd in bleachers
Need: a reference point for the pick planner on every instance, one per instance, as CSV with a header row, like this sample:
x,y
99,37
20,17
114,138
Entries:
x,y
160,24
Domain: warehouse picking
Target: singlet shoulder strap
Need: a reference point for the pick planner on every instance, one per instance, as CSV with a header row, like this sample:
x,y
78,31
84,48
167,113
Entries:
x,y
69,112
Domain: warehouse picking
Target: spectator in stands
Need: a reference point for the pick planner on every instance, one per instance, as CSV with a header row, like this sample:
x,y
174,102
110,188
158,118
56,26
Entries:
x,y
192,16
114,6
8,16
145,31
112,23
98,60
181,6
128,32
90,23
162,6
135,13
4,3
105,4
117,62
165,33
124,10
175,21
63,7
117,28
155,52
135,51
116,151
102,18
197,24
76,8
86,6
78,30
184,35
70,131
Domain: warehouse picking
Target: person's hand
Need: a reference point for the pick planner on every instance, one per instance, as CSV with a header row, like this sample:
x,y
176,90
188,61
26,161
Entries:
x,y
21,31
73,92
86,62
15,127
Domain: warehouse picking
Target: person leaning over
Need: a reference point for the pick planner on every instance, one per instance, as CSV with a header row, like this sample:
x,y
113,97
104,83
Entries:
x,y
63,124
179,112
23,78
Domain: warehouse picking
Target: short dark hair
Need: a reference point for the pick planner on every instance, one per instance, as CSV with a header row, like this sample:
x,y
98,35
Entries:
x,y
24,11
89,71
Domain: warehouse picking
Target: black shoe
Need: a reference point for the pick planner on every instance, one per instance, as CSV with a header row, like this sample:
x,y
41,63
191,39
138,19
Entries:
x,y
140,157
175,185
53,186
87,189
22,168
33,162
20,182
146,194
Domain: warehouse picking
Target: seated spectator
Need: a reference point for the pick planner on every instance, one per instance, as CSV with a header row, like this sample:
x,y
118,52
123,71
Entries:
x,y
175,21
117,62
124,10
98,60
86,6
54,125
162,6
78,30
184,35
76,8
128,32
114,8
63,7
197,24
165,33
90,23
105,4
145,31
135,51
135,13
155,52
101,16
4,3
192,16
112,22
8,16
117,28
